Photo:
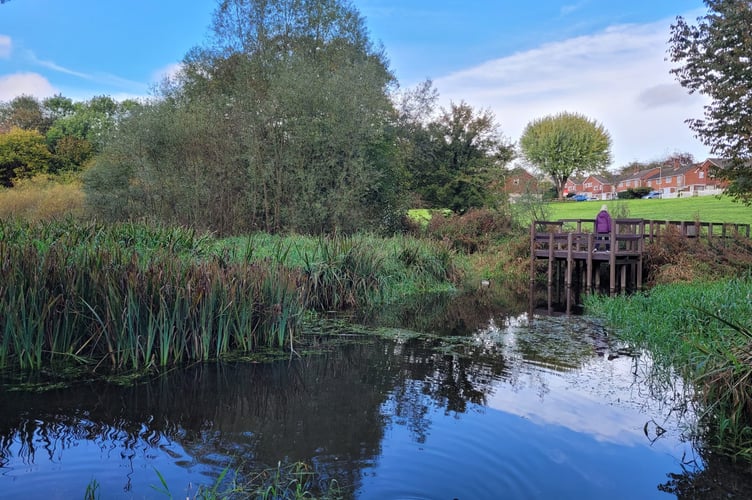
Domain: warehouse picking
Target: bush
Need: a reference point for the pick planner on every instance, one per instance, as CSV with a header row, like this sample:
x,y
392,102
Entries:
x,y
677,259
471,232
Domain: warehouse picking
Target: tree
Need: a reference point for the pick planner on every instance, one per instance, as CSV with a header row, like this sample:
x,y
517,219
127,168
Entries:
x,y
565,144
715,58
278,124
23,153
452,158
24,112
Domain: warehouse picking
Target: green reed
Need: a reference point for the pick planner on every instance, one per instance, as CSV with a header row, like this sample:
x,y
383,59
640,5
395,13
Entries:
x,y
126,303
134,296
704,331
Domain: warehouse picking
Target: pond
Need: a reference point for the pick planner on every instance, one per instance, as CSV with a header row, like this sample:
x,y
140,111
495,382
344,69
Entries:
x,y
475,404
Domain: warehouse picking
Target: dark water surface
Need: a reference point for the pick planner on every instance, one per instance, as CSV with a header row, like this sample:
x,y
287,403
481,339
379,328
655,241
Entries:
x,y
509,406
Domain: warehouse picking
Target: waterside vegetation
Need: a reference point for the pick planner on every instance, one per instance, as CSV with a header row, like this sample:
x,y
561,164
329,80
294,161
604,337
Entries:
x,y
135,297
700,329
695,319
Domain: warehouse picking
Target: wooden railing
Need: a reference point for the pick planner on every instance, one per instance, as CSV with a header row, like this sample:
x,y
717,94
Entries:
x,y
651,229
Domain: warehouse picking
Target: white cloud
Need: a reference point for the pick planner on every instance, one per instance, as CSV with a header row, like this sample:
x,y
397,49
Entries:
x,y
169,71
571,8
18,84
5,46
618,77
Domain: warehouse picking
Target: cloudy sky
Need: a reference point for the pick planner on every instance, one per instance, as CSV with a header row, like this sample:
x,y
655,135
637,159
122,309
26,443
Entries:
x,y
521,60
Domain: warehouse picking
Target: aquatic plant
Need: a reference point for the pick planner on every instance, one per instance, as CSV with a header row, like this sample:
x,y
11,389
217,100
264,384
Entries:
x,y
129,298
702,330
285,481
134,296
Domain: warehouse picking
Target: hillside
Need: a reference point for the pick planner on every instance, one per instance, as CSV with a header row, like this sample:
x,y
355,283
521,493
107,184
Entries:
x,y
704,208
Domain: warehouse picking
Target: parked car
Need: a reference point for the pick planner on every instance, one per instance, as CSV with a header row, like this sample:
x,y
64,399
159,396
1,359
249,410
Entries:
x,y
651,195
580,197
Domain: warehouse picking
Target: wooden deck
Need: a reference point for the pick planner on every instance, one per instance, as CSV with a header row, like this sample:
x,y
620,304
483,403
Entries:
x,y
574,265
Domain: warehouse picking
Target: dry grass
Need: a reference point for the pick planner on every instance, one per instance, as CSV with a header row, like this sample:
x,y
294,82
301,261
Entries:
x,y
42,198
676,259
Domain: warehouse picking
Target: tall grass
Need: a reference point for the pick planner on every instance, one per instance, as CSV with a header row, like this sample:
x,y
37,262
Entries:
x,y
43,197
134,296
702,330
106,297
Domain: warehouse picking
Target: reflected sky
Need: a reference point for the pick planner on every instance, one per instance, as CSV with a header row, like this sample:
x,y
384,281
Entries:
x,y
519,408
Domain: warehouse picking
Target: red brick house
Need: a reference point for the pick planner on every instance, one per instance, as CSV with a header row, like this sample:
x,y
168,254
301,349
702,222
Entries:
x,y
701,176
598,186
637,179
573,185
519,181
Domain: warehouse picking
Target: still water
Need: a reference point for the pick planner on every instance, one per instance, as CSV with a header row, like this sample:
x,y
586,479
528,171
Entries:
x,y
504,406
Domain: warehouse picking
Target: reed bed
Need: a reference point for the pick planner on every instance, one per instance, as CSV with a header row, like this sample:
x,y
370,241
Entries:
x,y
703,331
125,299
134,296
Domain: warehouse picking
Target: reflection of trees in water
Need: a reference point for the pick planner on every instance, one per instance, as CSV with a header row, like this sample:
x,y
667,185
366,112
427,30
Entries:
x,y
325,407
717,478
328,409
445,314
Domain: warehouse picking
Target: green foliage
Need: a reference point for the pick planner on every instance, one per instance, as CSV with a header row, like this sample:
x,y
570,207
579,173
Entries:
x,y
285,481
24,112
566,144
134,297
73,132
453,159
714,59
23,153
278,124
634,193
710,345
472,231
81,129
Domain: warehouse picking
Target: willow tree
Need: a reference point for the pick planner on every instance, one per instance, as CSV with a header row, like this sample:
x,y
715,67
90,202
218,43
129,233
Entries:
x,y
277,123
566,144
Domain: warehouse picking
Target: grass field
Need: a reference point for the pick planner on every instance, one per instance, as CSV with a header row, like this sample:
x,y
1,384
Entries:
x,y
704,208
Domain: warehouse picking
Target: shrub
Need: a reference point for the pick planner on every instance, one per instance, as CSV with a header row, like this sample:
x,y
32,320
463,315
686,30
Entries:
x,y
471,232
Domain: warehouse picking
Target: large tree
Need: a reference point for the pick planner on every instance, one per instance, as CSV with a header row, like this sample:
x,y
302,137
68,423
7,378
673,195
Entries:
x,y
451,157
280,120
565,144
715,59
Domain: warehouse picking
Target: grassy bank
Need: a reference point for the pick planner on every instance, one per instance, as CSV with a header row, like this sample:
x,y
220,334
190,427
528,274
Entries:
x,y
704,208
134,297
701,329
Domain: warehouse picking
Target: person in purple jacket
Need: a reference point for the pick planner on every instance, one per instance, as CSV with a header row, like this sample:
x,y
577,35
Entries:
x,y
603,229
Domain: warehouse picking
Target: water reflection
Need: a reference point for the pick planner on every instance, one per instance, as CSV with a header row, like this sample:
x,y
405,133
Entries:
x,y
452,407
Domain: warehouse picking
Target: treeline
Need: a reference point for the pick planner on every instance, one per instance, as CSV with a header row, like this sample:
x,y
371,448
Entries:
x,y
287,120
55,134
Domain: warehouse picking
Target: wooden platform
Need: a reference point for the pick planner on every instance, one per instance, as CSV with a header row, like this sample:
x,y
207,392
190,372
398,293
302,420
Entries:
x,y
574,265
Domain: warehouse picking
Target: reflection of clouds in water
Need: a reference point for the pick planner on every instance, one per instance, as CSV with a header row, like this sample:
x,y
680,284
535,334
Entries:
x,y
566,371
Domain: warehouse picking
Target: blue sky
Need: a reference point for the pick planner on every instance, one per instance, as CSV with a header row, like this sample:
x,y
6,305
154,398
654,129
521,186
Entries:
x,y
521,60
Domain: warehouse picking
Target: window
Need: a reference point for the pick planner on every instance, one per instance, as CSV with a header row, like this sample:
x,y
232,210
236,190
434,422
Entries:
x,y
668,180
702,174
516,182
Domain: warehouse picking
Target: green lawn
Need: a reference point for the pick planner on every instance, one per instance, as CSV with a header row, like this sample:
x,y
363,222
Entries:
x,y
704,208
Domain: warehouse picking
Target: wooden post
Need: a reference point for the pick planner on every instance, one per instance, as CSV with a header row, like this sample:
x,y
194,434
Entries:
x,y
640,262
568,281
589,265
612,261
532,253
